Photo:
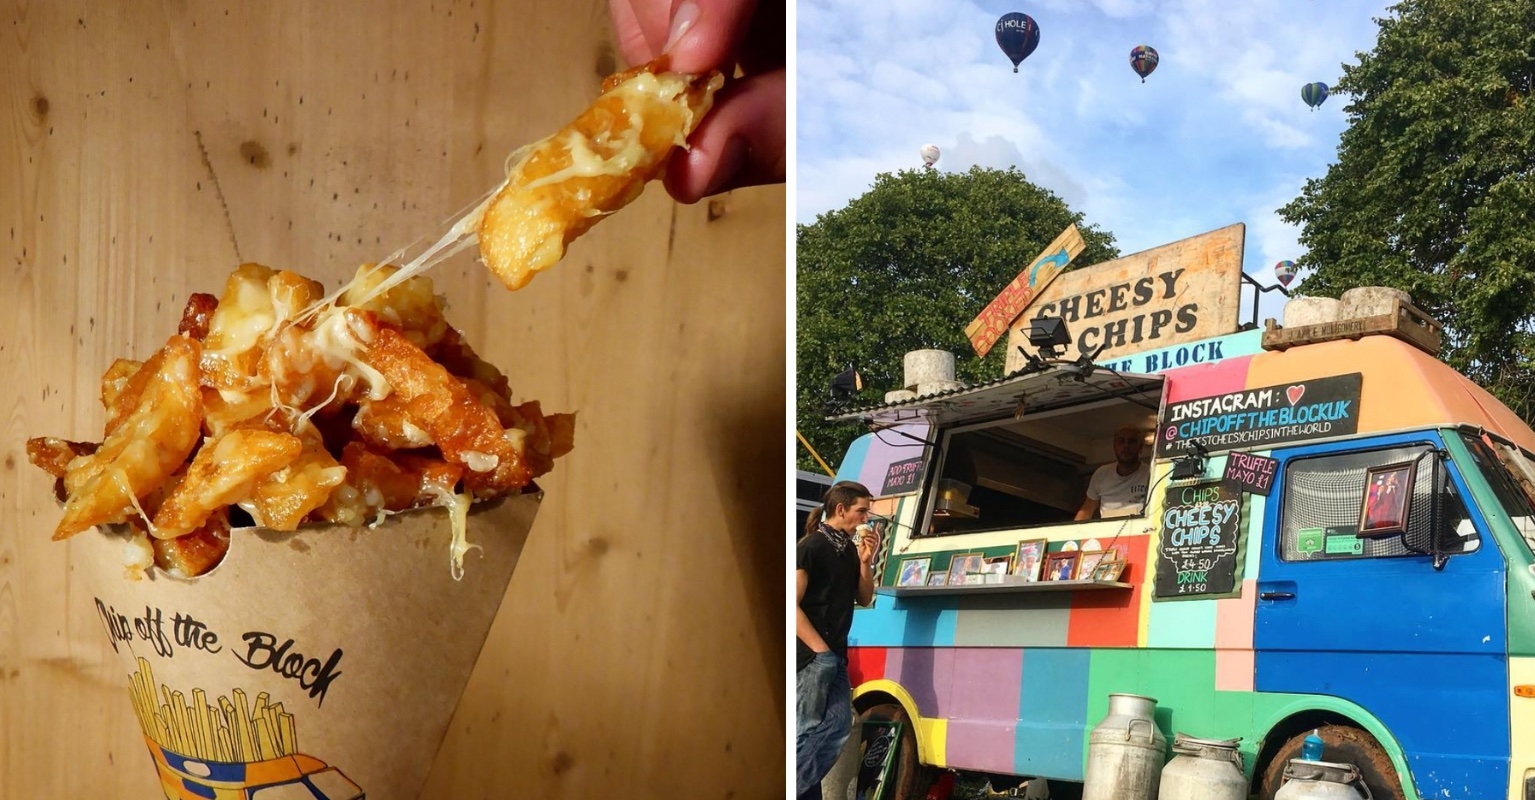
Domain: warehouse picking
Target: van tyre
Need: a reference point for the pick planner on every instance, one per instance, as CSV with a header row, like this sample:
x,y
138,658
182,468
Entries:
x,y
909,780
1340,744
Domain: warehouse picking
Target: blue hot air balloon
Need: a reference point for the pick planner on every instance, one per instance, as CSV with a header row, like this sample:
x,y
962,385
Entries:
x,y
1314,94
1285,272
1143,59
1017,35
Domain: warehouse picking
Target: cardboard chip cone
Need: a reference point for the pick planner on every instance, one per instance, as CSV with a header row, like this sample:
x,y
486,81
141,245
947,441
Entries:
x,y
327,661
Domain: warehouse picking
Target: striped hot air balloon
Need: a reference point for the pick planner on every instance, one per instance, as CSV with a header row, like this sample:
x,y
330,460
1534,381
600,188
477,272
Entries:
x,y
1314,94
1143,59
1285,272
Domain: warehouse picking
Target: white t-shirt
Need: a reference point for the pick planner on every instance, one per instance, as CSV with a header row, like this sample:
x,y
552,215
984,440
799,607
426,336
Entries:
x,y
1119,495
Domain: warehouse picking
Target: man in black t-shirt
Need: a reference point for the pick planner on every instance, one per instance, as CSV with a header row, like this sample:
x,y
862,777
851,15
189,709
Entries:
x,y
834,567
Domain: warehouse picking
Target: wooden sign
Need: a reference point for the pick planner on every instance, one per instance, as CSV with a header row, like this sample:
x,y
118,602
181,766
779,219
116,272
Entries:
x,y
1200,547
1165,296
986,329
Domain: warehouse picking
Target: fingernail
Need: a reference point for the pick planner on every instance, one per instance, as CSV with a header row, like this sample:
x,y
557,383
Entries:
x,y
682,22
732,158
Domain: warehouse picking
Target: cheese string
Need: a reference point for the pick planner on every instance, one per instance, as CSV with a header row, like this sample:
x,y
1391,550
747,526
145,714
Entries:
x,y
461,234
620,155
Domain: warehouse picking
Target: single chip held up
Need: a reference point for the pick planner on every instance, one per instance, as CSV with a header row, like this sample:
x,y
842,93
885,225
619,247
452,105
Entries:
x,y
559,187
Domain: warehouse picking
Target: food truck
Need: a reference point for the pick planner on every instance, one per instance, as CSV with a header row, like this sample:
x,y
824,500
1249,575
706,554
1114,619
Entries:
x,y
1271,586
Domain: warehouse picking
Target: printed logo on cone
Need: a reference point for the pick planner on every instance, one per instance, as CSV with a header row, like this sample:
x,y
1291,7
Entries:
x,y
322,664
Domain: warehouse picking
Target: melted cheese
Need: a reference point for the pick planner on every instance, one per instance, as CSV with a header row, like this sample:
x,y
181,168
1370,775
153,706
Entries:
x,y
121,479
138,556
480,462
414,436
246,322
586,162
459,235
627,151
458,517
338,342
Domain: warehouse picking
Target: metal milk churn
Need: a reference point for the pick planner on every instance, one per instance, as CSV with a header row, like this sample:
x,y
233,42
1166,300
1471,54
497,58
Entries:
x,y
1125,752
1204,769
1321,780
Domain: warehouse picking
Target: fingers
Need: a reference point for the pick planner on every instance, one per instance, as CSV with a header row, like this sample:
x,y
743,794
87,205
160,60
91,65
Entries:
x,y
700,35
639,32
868,547
739,143
704,34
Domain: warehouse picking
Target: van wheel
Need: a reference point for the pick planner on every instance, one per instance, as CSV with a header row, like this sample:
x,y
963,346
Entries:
x,y
1345,745
909,780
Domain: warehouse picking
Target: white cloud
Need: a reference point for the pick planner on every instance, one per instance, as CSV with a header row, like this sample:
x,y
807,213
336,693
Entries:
x,y
1217,134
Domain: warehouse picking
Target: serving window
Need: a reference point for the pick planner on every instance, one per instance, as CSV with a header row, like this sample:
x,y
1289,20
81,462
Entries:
x,y
1014,453
1027,471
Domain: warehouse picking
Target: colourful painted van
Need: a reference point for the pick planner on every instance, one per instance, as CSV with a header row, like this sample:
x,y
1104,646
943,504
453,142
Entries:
x,y
1257,596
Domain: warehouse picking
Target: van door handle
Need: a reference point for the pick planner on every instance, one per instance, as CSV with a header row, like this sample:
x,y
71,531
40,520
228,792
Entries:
x,y
1276,595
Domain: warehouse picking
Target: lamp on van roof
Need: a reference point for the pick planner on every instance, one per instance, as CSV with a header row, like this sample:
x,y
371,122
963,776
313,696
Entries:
x,y
843,387
1049,334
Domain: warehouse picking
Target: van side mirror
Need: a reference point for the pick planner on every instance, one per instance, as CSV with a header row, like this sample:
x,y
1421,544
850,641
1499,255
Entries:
x,y
1442,520
1441,526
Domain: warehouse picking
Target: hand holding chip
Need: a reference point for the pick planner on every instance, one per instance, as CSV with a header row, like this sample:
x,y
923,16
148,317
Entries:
x,y
741,142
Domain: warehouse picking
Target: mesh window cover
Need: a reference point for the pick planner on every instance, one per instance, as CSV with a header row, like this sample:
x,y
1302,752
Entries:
x,y
1326,492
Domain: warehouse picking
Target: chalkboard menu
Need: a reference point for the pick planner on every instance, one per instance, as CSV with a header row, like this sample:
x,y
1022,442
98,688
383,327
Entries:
x,y
1201,548
902,477
1251,473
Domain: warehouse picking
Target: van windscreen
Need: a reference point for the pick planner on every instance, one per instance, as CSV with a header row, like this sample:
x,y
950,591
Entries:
x,y
1510,473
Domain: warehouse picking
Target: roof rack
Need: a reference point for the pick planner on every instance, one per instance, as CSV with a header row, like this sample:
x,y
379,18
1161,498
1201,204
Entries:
x,y
1405,321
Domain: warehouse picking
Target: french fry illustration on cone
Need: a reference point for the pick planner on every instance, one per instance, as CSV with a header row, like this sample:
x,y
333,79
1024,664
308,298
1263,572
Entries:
x,y
228,748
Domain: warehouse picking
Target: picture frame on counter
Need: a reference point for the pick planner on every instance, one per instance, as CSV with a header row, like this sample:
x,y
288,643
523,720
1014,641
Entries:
x,y
1029,558
963,564
1108,570
1061,566
914,571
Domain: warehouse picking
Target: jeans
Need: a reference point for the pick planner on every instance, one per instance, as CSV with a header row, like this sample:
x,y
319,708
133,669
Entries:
x,y
824,718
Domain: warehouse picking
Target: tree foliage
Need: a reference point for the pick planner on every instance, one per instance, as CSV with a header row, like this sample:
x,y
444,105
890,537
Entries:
x,y
905,267
1432,192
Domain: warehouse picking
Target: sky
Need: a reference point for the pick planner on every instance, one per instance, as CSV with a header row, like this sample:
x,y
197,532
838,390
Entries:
x,y
1218,134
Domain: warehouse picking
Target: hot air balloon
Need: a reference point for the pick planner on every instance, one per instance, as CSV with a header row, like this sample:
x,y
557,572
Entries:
x,y
1143,59
930,155
1017,35
1314,94
1285,272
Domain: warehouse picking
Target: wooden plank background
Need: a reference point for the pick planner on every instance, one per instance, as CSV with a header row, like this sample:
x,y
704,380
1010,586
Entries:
x,y
147,148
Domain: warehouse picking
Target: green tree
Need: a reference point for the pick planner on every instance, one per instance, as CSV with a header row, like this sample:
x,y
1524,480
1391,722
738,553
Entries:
x,y
905,267
1432,192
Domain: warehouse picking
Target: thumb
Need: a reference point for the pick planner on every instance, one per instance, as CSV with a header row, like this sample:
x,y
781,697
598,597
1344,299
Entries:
x,y
704,34
739,143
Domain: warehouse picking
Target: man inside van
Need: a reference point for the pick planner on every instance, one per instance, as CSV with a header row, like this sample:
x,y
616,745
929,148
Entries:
x,y
834,568
1119,489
